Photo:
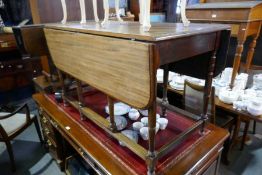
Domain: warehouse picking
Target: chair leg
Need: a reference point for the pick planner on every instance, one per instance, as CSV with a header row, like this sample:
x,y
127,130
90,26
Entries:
x,y
244,135
37,127
11,155
236,132
254,127
227,146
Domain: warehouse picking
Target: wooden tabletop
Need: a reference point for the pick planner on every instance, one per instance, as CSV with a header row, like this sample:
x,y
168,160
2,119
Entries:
x,y
133,30
229,108
200,154
226,5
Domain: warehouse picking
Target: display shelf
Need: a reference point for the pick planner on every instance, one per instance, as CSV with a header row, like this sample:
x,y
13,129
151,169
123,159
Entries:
x,y
178,123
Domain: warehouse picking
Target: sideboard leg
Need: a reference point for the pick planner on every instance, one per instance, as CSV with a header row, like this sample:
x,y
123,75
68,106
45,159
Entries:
x,y
111,114
81,102
165,83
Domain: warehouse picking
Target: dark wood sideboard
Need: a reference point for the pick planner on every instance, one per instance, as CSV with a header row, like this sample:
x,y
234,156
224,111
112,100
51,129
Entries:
x,y
204,158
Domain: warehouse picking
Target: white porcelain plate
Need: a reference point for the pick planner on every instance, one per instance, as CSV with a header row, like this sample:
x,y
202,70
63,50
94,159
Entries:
x,y
131,135
119,109
120,121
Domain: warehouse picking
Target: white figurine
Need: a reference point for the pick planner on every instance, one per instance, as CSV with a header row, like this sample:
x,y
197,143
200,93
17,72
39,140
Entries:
x,y
64,12
185,21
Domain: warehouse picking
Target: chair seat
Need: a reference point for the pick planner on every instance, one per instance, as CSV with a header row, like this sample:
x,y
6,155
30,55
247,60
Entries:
x,y
224,120
14,122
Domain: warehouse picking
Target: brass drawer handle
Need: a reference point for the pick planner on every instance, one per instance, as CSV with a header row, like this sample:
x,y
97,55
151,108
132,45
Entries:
x,y
44,120
49,143
81,151
47,131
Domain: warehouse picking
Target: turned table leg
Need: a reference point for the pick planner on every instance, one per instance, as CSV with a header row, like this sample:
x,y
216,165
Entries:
x,y
236,132
165,83
81,102
62,82
111,114
250,53
247,122
208,87
151,157
241,38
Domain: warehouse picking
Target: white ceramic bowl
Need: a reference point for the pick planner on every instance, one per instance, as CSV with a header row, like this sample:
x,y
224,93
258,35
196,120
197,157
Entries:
x,y
144,120
157,127
144,112
133,114
162,123
137,126
144,133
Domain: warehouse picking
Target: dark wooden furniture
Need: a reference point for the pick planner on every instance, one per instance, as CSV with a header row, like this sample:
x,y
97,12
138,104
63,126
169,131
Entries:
x,y
7,42
244,17
15,72
193,102
106,156
12,124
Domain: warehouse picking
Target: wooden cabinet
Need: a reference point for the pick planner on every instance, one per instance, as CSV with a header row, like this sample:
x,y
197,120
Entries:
x,y
14,71
7,42
52,139
203,158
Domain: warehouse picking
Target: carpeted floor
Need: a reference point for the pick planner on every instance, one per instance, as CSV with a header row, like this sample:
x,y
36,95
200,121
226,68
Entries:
x,y
32,159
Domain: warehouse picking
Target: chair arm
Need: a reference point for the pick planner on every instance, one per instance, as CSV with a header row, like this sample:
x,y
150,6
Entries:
x,y
25,106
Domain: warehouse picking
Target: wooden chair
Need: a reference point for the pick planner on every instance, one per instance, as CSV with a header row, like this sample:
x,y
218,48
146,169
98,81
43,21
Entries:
x,y
12,124
193,100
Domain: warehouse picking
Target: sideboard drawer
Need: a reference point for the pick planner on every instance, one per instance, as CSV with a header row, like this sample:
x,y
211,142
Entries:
x,y
96,166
